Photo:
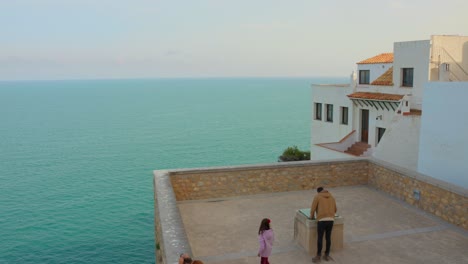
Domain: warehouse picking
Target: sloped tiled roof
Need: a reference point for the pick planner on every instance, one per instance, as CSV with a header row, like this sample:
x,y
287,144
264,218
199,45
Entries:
x,y
381,58
385,79
375,96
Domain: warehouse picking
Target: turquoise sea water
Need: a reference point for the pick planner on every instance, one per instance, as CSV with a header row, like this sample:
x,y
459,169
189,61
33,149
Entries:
x,y
76,157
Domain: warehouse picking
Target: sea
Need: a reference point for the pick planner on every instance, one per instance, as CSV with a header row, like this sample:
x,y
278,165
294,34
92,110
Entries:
x,y
76,156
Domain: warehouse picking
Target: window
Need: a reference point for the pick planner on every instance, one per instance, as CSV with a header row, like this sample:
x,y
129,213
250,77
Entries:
x,y
329,112
344,115
364,76
318,111
380,133
407,77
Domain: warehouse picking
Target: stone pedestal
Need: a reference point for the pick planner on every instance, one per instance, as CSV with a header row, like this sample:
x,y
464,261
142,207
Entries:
x,y
305,232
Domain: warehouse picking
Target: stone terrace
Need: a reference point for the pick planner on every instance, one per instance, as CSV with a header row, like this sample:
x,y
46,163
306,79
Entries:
x,y
378,229
217,212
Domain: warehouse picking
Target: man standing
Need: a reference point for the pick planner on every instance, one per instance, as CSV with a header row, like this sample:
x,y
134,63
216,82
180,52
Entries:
x,y
324,206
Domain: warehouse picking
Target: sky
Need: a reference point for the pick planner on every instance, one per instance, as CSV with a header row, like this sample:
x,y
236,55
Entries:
x,y
93,39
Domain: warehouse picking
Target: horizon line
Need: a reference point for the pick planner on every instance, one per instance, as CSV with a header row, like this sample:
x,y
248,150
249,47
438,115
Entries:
x,y
170,78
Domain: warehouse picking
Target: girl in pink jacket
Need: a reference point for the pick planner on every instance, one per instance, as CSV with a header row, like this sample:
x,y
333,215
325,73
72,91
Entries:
x,y
265,238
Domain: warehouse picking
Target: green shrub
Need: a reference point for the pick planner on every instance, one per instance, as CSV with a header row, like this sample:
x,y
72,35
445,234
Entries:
x,y
294,154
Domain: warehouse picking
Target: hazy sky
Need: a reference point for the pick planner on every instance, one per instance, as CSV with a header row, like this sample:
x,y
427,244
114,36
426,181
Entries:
x,y
73,39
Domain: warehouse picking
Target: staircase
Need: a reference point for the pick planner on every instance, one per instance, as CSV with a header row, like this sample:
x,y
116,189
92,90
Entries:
x,y
358,148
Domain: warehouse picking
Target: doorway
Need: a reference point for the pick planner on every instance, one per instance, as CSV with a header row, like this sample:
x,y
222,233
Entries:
x,y
364,125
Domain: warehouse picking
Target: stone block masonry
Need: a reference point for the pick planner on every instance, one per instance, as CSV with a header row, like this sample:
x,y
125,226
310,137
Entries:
x,y
281,177
439,198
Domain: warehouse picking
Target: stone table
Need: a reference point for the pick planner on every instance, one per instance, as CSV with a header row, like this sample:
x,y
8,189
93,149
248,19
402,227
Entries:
x,y
305,232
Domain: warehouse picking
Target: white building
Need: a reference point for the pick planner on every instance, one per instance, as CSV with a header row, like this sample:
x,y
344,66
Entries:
x,y
380,112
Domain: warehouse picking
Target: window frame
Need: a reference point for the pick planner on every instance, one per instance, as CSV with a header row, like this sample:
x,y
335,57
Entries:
x,y
366,74
344,120
404,73
318,114
329,113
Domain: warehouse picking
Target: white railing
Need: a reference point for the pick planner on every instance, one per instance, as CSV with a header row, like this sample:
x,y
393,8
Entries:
x,y
343,144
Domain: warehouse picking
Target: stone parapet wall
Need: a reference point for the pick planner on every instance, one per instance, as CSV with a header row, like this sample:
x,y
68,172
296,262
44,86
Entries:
x,y
170,233
439,198
280,177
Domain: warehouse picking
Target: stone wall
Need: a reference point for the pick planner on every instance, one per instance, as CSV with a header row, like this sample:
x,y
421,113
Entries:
x,y
442,199
281,177
169,232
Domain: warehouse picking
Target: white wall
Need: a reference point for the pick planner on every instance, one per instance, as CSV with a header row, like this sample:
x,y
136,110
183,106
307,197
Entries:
x,y
376,70
452,50
400,143
343,145
383,122
443,151
416,55
323,131
379,89
321,153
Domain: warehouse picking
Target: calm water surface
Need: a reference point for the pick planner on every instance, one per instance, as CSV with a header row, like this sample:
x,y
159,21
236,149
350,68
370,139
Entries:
x,y
76,157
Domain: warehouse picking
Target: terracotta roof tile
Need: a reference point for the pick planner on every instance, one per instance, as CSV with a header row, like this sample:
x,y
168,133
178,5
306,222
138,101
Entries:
x,y
381,58
376,96
385,79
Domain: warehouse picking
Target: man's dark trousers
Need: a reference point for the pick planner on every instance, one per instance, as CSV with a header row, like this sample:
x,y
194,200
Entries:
x,y
324,226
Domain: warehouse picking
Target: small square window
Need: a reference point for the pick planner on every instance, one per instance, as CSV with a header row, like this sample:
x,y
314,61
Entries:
x,y
407,77
364,76
344,115
318,111
329,112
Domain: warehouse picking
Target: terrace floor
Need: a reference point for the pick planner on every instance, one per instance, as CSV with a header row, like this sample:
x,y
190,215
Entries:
x,y
377,229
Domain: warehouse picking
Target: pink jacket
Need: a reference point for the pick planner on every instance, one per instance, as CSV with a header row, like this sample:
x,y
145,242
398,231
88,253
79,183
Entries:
x,y
266,243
